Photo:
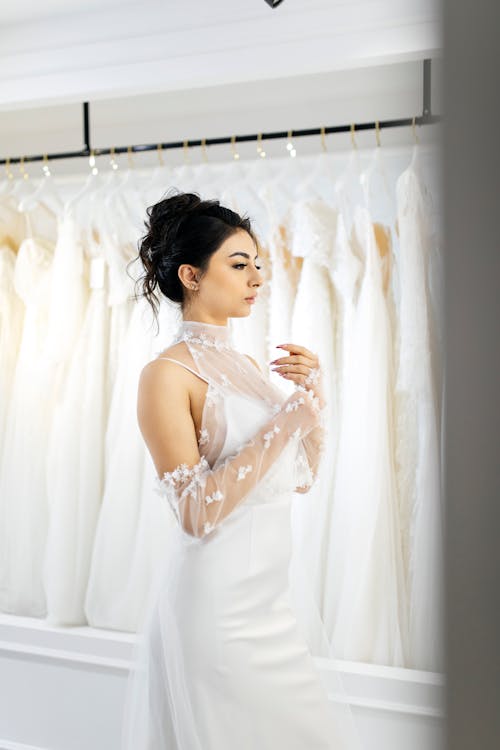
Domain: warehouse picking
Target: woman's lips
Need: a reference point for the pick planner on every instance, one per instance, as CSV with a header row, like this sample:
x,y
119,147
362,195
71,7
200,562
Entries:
x,y
250,299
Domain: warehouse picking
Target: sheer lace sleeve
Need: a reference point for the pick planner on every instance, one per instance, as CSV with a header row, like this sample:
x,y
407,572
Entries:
x,y
311,447
202,497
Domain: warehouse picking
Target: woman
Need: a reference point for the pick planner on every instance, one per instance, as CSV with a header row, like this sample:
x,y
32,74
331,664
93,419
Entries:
x,y
222,663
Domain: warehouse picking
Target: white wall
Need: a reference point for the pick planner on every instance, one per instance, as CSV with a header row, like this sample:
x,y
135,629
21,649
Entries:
x,y
64,688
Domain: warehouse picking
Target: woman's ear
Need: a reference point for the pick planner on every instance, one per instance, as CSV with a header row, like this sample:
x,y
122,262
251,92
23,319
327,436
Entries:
x,y
187,275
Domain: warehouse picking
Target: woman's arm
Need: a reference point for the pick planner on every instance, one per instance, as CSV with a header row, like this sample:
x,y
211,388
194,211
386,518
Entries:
x,y
201,497
303,368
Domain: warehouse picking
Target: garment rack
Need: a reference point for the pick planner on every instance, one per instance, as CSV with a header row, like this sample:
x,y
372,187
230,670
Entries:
x,y
426,118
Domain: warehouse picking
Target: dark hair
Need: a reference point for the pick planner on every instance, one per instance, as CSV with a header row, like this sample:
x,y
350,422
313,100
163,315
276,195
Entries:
x,y
182,228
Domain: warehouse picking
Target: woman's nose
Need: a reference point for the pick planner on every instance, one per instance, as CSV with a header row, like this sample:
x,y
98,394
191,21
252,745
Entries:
x,y
258,278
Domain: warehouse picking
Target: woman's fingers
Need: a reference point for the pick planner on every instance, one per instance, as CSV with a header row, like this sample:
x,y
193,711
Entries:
x,y
292,367
298,355
297,349
298,365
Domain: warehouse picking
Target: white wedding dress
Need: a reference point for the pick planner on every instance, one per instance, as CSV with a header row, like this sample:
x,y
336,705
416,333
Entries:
x,y
418,445
369,623
23,493
221,662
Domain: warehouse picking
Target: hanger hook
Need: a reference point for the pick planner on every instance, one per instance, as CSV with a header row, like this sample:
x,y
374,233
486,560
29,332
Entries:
x,y
112,158
377,133
92,165
45,167
289,146
323,139
185,148
159,151
22,169
10,176
414,130
260,150
353,140
204,149
233,148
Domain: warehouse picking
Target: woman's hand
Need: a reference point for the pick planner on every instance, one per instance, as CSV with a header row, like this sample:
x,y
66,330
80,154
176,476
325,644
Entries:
x,y
301,366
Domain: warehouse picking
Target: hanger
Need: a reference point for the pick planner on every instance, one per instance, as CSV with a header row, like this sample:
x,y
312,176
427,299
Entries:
x,y
45,195
377,167
5,185
16,189
184,173
93,180
318,183
347,188
161,173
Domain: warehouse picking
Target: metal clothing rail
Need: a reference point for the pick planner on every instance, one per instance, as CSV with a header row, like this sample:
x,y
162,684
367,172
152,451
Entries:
x,y
425,119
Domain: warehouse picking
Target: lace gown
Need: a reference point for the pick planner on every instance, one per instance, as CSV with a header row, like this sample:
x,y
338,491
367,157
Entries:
x,y
221,662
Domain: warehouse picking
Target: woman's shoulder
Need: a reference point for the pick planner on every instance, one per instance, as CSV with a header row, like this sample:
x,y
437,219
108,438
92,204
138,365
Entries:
x,y
161,366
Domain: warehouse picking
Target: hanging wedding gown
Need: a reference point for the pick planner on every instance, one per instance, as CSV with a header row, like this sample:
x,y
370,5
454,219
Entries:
x,y
314,325
76,470
221,661
345,272
418,447
286,268
369,623
23,495
125,554
11,321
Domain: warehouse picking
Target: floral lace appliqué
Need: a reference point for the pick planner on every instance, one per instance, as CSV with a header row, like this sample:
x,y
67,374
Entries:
x,y
294,405
205,341
312,398
212,395
214,497
182,473
304,477
268,436
313,376
204,436
243,471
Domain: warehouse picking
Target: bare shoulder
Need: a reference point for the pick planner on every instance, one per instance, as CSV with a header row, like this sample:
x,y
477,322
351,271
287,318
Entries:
x,y
177,351
164,414
163,380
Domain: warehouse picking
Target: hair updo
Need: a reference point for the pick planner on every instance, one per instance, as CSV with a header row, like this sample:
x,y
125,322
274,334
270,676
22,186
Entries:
x,y
182,228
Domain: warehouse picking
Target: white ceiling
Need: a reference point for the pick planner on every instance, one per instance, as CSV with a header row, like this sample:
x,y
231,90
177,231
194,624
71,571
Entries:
x,y
22,11
63,51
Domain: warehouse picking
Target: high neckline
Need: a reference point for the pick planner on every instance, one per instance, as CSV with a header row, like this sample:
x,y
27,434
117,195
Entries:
x,y
210,333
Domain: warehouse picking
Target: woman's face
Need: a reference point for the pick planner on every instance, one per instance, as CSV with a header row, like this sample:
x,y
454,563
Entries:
x,y
232,276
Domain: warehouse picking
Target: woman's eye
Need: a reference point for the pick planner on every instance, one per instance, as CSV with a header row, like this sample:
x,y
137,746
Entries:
x,y
244,265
